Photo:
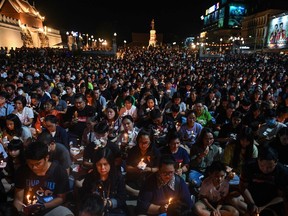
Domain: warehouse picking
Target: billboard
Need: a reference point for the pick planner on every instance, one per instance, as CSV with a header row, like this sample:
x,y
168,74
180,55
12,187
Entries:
x,y
277,33
236,14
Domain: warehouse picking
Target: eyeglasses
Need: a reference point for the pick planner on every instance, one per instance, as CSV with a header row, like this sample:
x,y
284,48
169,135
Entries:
x,y
167,173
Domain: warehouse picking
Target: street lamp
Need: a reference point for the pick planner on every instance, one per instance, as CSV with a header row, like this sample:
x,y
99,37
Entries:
x,y
114,44
220,49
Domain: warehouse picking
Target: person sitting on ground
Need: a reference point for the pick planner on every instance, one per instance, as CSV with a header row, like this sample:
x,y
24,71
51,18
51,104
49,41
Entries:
x,y
41,185
163,188
214,193
263,183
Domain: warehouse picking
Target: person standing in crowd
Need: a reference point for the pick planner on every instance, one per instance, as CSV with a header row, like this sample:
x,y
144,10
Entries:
x,y
162,188
41,185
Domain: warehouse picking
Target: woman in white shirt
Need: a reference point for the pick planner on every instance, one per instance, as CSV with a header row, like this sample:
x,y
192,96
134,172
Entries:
x,y
24,112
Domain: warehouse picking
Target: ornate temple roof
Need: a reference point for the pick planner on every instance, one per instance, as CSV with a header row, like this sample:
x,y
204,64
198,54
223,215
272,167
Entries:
x,y
23,6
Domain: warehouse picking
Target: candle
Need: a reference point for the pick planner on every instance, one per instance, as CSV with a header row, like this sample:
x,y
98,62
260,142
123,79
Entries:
x,y
34,200
180,165
170,200
28,199
125,137
142,160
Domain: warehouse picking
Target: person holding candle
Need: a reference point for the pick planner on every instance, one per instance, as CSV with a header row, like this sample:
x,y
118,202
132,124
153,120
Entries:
x,y
14,160
113,120
180,154
163,188
41,185
49,109
101,131
127,138
107,181
142,160
76,116
14,128
190,130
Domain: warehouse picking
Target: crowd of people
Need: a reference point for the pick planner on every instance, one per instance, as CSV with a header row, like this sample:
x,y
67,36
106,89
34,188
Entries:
x,y
83,135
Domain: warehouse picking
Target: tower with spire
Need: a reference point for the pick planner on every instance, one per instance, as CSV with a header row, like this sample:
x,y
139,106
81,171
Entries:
x,y
152,40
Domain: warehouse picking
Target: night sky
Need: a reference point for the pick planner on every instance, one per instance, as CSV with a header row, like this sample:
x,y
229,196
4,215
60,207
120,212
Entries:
x,y
176,21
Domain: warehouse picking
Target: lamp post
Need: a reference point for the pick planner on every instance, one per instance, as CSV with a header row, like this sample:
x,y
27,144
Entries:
x,y
220,49
114,44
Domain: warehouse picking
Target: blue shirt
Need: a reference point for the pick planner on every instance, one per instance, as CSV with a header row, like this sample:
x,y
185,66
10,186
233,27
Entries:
x,y
6,109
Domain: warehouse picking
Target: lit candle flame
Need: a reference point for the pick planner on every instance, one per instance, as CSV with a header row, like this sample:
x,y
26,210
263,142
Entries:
x,y
170,200
142,159
28,199
180,165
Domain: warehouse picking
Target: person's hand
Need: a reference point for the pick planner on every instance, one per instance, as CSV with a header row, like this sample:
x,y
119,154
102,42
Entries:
x,y
33,209
215,212
252,209
179,172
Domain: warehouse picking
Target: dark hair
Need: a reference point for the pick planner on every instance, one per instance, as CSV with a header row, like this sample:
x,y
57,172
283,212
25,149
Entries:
x,y
36,151
204,131
22,99
167,159
173,135
101,127
15,144
45,137
109,156
55,91
175,108
176,95
51,118
79,95
113,106
155,113
266,152
144,132
129,98
216,166
17,125
50,101
93,204
129,117
3,94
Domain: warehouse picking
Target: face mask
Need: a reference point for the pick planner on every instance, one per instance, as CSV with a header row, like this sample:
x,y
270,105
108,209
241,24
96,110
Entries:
x,y
271,122
20,92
